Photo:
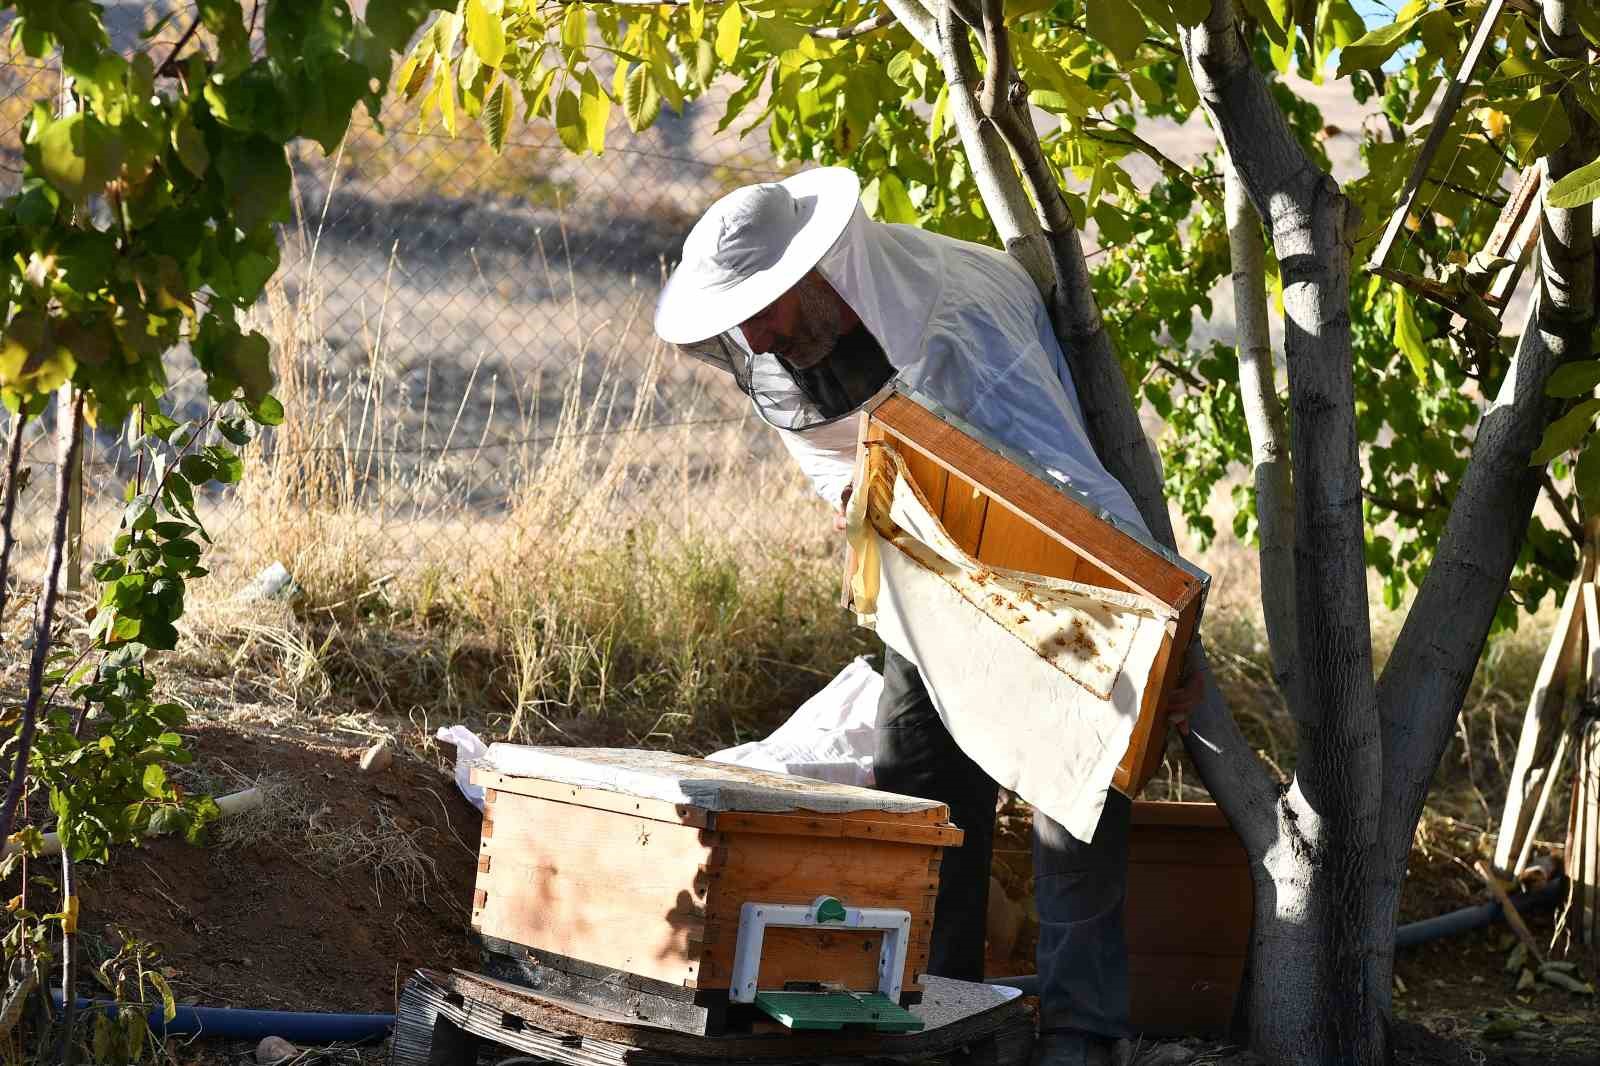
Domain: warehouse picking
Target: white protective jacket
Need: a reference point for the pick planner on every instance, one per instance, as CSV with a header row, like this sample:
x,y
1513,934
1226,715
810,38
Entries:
x,y
963,324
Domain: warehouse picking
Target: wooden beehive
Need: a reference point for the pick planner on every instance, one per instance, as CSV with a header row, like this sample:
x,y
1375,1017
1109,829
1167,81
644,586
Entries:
x,y
1009,514
1189,912
642,882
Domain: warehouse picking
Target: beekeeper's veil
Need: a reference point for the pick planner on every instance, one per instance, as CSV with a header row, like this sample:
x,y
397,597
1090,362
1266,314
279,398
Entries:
x,y
750,248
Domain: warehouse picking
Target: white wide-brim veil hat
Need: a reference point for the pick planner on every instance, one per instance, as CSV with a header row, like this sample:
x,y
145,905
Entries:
x,y
750,248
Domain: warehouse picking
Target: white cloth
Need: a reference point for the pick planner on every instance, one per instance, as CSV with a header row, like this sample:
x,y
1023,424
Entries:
x,y
832,737
1038,680
963,324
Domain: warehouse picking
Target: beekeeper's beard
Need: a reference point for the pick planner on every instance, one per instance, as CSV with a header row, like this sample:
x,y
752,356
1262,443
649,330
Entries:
x,y
821,324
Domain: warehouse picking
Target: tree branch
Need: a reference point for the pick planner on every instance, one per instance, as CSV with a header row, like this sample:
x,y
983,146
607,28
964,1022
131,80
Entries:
x,y
1562,508
8,504
986,153
881,20
169,67
1114,134
45,619
1269,435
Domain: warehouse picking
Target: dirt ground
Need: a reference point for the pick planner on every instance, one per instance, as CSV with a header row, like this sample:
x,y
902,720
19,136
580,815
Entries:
x,y
345,881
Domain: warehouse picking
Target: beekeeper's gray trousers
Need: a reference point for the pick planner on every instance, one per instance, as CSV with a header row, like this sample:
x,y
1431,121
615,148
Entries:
x,y
1079,887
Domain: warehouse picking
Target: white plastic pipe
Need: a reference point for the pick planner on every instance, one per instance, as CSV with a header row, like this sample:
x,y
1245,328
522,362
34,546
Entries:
x,y
249,799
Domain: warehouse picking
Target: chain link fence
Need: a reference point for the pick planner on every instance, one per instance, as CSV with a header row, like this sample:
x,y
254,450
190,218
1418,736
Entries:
x,y
462,343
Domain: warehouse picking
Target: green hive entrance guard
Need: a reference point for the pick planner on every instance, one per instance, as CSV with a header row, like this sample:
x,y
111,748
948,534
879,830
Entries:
x,y
878,1010
836,1010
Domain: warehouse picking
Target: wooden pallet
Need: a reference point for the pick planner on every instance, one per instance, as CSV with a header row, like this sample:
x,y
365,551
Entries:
x,y
446,1019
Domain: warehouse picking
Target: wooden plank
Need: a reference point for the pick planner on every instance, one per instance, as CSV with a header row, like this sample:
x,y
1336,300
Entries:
x,y
763,868
1011,541
1050,510
1442,118
1147,744
930,477
966,509
1186,815
583,985
944,835
1523,247
557,882
1542,715
594,798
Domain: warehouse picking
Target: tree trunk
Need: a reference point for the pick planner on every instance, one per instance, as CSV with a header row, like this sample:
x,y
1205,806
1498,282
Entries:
x,y
1269,437
1328,849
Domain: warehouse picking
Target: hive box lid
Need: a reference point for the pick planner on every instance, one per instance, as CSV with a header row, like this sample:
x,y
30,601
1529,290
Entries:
x,y
683,780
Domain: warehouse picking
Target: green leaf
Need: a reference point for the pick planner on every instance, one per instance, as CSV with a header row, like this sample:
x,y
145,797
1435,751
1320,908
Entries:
x,y
190,145
485,33
595,107
640,101
1586,474
269,412
1374,49
941,108
705,64
1580,187
575,29
230,468
1539,127
1119,26
1408,334
569,121
393,22
78,155
1574,379
894,205
1565,432
256,176
249,357
730,27
197,469
498,110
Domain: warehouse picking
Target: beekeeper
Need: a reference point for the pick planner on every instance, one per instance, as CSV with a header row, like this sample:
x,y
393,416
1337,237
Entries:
x,y
814,308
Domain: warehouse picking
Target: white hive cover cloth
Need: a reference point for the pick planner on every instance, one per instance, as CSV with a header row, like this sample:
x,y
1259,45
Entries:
x,y
1039,680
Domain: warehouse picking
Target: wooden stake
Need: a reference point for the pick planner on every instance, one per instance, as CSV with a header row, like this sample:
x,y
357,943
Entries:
x,y
1513,918
1542,716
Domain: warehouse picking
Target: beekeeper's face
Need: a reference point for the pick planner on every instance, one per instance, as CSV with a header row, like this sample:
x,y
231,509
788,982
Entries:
x,y
803,325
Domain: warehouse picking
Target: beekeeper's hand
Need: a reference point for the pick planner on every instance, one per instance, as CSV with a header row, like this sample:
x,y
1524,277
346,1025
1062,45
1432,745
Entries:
x,y
1188,693
839,520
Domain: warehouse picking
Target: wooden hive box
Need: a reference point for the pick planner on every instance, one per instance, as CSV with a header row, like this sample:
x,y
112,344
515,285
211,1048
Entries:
x,y
1005,511
603,870
1189,912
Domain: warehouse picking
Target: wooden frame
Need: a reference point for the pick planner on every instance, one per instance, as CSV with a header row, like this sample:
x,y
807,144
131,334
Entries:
x,y
1005,511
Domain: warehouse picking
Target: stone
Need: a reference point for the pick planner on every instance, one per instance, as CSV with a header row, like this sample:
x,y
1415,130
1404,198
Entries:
x,y
275,1050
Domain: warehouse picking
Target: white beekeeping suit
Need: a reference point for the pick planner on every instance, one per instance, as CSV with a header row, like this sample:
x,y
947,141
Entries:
x,y
958,322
